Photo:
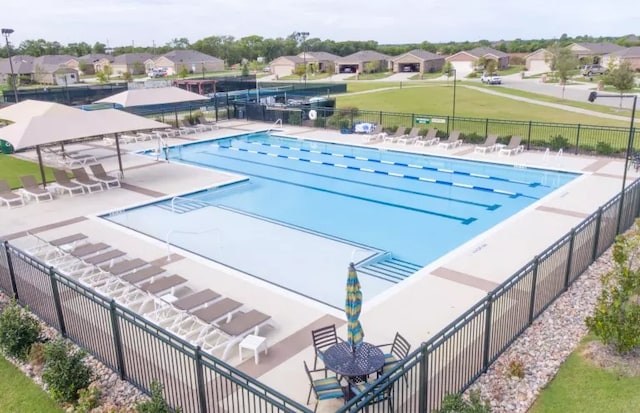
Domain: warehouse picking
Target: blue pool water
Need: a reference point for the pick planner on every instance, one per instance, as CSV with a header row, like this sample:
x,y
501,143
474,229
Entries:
x,y
304,200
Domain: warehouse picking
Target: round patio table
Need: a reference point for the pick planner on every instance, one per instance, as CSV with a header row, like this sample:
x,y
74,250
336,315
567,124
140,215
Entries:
x,y
365,360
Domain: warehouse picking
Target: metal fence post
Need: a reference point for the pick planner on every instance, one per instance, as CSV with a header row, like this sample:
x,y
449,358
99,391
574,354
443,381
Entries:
x,y
448,121
577,139
380,119
117,339
423,387
487,333
56,302
529,137
12,274
534,282
596,236
202,398
569,259
486,127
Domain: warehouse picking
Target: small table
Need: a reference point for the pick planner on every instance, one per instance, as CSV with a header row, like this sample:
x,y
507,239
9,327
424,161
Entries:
x,y
365,360
254,343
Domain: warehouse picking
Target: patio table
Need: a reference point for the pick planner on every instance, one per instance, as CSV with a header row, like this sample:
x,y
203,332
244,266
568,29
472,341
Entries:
x,y
358,364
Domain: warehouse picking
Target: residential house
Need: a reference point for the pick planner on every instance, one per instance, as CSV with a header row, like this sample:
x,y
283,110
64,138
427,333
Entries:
x,y
321,60
192,60
538,62
49,67
22,67
630,54
363,61
128,62
285,65
593,52
417,60
466,61
88,62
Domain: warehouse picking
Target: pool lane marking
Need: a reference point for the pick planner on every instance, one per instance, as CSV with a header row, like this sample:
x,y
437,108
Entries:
x,y
464,221
394,174
406,165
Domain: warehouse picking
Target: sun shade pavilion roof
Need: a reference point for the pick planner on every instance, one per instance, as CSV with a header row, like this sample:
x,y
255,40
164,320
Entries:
x,y
27,109
153,96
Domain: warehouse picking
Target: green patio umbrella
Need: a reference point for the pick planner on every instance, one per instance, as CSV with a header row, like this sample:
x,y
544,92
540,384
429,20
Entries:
x,y
352,307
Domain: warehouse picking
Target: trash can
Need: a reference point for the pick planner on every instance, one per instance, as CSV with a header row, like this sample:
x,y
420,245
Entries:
x,y
5,147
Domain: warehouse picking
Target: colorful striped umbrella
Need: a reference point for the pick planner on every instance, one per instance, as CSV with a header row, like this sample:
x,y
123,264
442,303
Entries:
x,y
352,307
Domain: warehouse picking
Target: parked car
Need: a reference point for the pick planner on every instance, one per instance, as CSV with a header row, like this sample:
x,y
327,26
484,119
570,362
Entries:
x,y
590,70
490,79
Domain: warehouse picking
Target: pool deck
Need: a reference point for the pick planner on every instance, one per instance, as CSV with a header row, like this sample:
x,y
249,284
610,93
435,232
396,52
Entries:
x,y
435,296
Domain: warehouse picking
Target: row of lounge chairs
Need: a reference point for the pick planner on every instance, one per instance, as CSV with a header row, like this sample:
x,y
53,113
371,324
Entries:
x,y
67,159
205,317
185,128
490,144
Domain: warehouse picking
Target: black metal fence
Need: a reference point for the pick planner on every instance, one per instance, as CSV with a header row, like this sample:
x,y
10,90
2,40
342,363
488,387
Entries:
x,y
138,350
71,95
455,357
575,138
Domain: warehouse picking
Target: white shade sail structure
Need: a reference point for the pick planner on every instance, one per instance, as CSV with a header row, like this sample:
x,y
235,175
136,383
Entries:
x,y
153,96
59,125
27,109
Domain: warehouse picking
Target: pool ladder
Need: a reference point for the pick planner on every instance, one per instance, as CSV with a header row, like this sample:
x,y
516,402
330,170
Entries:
x,y
276,123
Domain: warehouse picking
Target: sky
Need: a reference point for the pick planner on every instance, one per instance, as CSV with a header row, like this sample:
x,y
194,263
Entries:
x,y
145,22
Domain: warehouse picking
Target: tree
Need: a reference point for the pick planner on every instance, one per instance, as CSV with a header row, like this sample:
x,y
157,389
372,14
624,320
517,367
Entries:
x,y
330,69
127,76
621,77
372,67
562,61
99,48
183,72
101,76
84,67
300,70
491,67
108,71
245,69
447,69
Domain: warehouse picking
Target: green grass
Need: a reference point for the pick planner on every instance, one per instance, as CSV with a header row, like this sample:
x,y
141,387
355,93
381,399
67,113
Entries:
x,y
426,76
362,86
20,394
511,70
12,168
581,387
438,100
370,76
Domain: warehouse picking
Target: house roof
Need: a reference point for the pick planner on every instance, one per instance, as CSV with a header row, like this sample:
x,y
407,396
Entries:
x,y
629,52
131,58
363,56
93,57
420,54
189,56
22,64
483,51
600,48
317,56
50,63
291,59
541,52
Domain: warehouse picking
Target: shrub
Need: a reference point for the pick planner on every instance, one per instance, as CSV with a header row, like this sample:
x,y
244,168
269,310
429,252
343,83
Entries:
x,y
516,369
603,148
156,403
88,399
36,355
472,75
338,122
18,331
472,137
455,403
391,129
587,148
616,319
558,142
504,139
64,371
295,118
318,122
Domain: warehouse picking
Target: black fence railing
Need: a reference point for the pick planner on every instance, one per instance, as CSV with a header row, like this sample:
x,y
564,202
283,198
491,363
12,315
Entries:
x,y
138,350
455,357
69,95
573,138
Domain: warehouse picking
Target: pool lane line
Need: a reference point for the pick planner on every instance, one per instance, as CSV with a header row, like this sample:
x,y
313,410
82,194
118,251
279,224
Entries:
x,y
464,221
406,165
489,207
381,172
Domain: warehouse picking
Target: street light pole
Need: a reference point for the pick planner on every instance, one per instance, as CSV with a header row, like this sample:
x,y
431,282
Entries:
x,y
592,97
304,35
453,116
6,33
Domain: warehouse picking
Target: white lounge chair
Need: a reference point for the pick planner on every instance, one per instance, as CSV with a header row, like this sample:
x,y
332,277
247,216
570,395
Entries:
x,y
399,133
430,138
64,184
411,137
101,175
32,189
488,145
9,197
453,140
513,147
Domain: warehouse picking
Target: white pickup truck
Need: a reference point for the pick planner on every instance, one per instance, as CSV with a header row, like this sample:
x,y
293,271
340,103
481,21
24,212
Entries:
x,y
490,79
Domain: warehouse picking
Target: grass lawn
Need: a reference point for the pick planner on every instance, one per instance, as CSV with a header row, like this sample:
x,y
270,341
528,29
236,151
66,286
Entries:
x,y
11,168
511,70
581,387
20,394
426,76
437,100
370,76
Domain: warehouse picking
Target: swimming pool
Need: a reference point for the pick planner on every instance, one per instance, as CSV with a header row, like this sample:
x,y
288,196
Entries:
x,y
308,208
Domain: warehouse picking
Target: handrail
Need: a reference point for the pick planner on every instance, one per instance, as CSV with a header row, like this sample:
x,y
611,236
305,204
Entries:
x,y
173,202
276,123
162,146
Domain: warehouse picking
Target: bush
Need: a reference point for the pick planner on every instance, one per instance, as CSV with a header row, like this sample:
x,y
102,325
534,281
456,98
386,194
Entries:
x,y
616,319
64,371
558,142
504,139
36,355
18,331
156,403
455,403
472,75
295,118
603,148
587,148
88,399
338,122
516,369
472,137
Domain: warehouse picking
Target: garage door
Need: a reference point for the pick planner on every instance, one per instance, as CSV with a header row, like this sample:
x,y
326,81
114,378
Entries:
x,y
281,70
538,66
462,68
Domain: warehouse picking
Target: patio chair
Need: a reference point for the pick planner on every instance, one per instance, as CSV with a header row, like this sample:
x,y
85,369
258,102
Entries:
x,y
101,175
100,259
81,177
513,147
8,196
144,274
430,138
323,338
204,121
324,388
196,300
186,127
218,310
399,350
411,137
453,140
31,188
392,138
381,390
163,285
488,145
71,159
374,135
125,266
64,184
232,331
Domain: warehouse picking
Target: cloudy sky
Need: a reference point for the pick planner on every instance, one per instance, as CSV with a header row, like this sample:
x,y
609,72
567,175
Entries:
x,y
121,22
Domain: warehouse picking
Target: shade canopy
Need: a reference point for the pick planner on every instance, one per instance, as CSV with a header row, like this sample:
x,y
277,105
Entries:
x,y
352,308
153,96
27,109
47,129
